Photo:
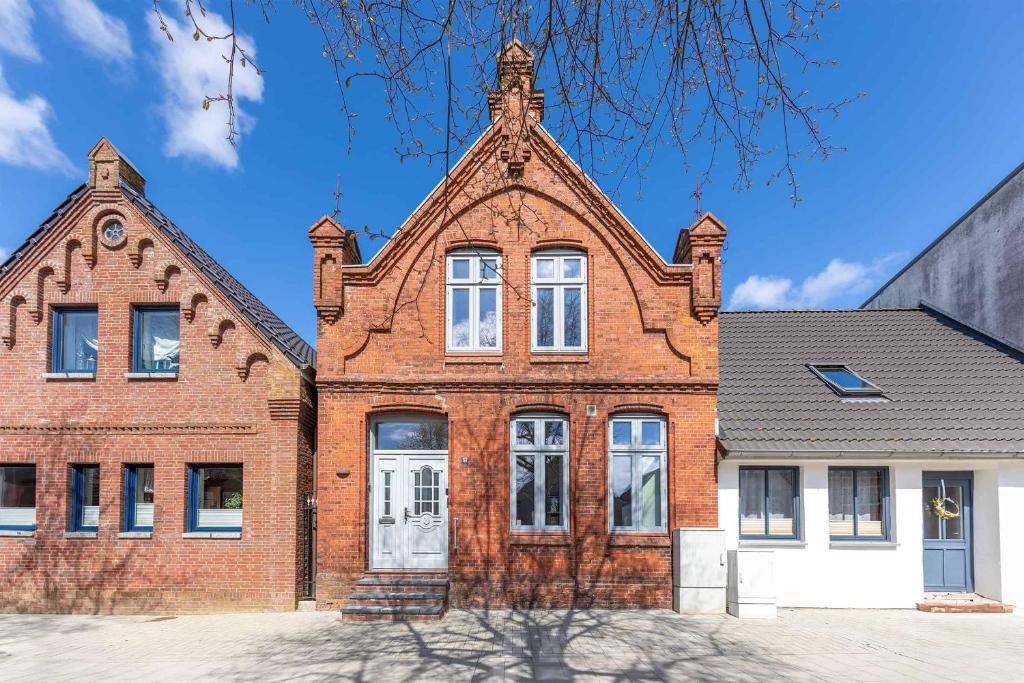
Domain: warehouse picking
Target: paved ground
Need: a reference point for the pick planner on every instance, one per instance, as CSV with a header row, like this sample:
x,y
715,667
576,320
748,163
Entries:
x,y
802,645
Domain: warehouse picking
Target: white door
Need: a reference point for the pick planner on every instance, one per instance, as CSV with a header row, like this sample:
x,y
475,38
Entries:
x,y
410,512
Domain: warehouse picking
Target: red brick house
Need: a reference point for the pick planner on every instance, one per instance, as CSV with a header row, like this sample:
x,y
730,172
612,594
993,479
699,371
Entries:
x,y
517,394
157,426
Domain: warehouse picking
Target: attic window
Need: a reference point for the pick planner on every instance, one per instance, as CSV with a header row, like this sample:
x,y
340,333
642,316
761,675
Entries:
x,y
844,381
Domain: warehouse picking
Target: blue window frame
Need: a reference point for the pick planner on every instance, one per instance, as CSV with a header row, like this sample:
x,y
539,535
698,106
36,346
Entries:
x,y
85,498
18,497
155,335
138,497
75,340
769,502
215,497
858,503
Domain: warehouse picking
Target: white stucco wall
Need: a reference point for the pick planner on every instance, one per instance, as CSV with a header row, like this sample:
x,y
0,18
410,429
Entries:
x,y
814,572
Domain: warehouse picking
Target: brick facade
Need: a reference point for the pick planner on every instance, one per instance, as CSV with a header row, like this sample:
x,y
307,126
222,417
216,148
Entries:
x,y
237,399
652,331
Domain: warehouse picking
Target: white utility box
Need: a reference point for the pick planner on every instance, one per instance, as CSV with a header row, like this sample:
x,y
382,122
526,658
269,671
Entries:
x,y
698,571
752,584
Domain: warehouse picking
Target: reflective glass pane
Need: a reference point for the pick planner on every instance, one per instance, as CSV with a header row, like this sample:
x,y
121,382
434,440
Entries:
x,y
17,486
144,490
461,326
554,433
572,268
524,433
412,436
545,268
954,526
650,433
932,526
488,317
780,502
158,342
844,378
840,502
573,317
78,341
622,490
752,502
622,433
650,492
220,488
90,512
545,317
869,503
460,269
553,503
524,476
386,495
489,269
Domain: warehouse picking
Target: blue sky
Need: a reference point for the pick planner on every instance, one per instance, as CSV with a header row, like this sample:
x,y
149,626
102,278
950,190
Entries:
x,y
940,126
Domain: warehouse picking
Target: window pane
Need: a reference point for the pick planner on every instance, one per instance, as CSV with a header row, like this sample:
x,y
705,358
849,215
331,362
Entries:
x,y
752,502
17,496
931,522
545,268
780,502
524,476
412,436
844,378
650,492
572,268
524,433
144,496
90,496
488,317
460,319
220,488
489,269
545,317
622,433
554,433
159,340
460,269
426,491
955,526
869,503
387,493
650,433
573,314
553,490
78,341
622,490
840,502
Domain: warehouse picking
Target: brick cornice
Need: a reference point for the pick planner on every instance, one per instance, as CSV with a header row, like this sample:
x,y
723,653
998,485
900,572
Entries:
x,y
181,428
694,386
284,408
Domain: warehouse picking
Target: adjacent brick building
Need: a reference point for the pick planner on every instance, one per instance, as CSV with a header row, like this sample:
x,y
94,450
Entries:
x,y
517,394
157,426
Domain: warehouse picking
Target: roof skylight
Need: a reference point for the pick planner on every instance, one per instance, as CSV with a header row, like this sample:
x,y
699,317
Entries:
x,y
844,381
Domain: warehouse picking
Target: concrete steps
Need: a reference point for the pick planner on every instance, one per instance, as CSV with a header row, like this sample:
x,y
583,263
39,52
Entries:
x,y
397,597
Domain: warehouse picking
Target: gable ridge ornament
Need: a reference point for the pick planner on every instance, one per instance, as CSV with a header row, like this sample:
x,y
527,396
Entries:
x,y
517,105
700,245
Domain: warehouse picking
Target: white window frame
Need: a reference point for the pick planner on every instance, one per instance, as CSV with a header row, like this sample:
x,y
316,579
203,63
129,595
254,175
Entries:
x,y
558,283
474,283
637,452
539,450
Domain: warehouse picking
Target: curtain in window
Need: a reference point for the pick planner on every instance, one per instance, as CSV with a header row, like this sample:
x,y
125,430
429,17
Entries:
x,y
79,341
160,340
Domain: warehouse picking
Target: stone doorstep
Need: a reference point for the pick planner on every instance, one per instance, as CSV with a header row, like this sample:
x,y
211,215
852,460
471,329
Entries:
x,y
397,597
961,603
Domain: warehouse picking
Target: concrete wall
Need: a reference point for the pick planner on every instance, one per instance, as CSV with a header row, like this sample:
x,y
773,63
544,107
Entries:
x,y
975,270
814,572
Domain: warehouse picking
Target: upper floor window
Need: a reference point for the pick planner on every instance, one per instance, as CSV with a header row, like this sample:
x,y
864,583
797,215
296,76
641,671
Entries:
x,y
473,303
75,339
156,339
18,497
559,301
540,473
637,473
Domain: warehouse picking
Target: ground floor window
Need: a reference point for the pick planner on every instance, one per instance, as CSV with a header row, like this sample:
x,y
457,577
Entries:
x,y
638,491
138,498
540,473
85,498
858,502
215,498
769,502
18,497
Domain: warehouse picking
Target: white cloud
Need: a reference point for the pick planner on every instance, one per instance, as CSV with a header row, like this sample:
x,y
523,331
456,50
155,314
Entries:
x,y
25,138
192,70
99,34
839,279
4,254
16,30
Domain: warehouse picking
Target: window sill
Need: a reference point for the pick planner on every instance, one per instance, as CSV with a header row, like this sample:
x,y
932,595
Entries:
x,y
150,375
549,357
135,534
81,534
640,539
540,538
773,543
80,376
17,533
863,544
473,358
212,534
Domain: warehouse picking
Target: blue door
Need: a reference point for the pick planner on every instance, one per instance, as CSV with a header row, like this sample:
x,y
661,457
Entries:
x,y
948,558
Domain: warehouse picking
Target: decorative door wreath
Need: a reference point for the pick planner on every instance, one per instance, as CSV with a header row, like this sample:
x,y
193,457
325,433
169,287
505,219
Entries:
x,y
939,508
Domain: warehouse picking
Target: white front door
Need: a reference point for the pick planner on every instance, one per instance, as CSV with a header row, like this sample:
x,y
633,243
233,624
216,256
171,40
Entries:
x,y
410,511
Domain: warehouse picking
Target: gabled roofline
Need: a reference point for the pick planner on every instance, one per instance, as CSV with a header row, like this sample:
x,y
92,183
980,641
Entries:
x,y
1002,183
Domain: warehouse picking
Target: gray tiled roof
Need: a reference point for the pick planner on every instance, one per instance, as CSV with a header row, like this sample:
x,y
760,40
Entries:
x,y
291,344
950,389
